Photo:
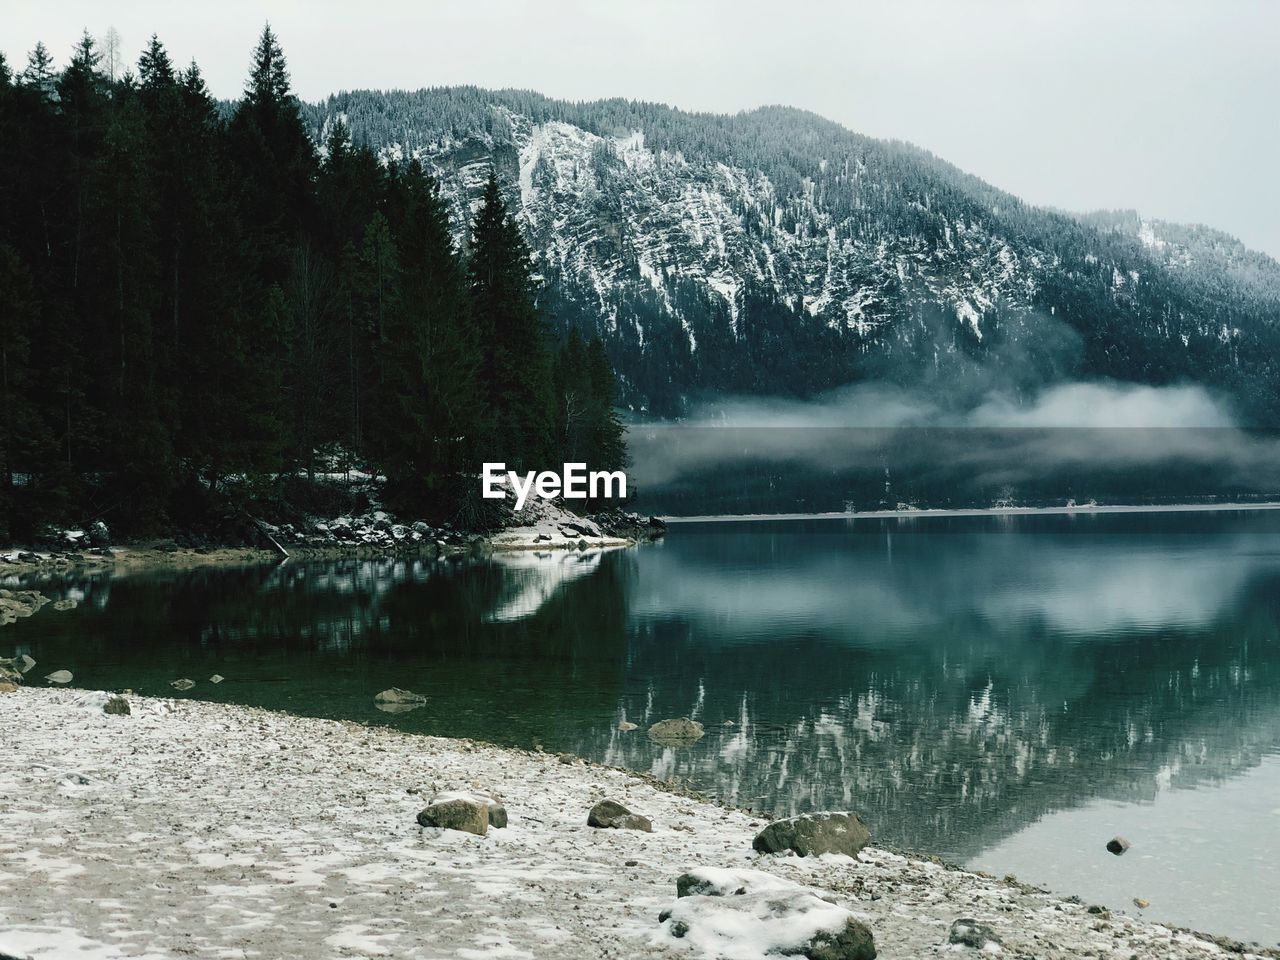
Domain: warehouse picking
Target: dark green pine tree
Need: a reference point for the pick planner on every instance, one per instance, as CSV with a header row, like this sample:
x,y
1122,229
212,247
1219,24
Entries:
x,y
350,188
128,372
608,446
21,434
38,74
428,358
516,372
273,160
273,167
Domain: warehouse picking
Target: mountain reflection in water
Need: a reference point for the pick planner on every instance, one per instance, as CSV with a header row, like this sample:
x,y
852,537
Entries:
x,y
953,680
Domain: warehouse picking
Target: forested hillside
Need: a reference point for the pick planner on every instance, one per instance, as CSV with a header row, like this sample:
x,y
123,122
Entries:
x,y
201,305
774,252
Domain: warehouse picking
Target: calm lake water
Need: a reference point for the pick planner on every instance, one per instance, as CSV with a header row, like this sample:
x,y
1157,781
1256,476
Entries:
x,y
1005,692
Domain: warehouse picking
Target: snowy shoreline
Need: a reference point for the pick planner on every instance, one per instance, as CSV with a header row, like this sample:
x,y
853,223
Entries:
x,y
215,830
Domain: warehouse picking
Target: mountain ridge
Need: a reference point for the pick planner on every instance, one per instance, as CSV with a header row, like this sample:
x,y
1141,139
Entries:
x,y
776,251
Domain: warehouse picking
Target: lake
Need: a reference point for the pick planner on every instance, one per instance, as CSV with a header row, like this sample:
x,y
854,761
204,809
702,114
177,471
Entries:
x,y
1005,692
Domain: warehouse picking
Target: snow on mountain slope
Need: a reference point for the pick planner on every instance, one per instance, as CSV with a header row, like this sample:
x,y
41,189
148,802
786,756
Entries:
x,y
774,251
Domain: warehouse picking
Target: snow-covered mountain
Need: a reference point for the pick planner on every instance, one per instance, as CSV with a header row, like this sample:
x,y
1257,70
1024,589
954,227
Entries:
x,y
776,252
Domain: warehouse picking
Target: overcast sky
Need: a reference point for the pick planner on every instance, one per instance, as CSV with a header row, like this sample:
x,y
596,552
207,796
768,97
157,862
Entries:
x,y
1169,106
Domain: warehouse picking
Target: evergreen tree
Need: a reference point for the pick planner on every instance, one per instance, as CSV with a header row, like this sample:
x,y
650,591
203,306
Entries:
x,y
128,371
428,359
516,372
19,422
274,160
38,74
608,449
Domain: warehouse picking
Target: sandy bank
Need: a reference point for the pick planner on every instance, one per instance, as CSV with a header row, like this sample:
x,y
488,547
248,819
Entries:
x,y
206,830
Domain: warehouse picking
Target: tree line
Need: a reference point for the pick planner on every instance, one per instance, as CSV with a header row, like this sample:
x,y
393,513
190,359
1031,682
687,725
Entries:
x,y
200,304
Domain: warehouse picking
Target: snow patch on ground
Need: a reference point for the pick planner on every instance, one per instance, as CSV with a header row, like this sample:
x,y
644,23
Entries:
x,y
212,830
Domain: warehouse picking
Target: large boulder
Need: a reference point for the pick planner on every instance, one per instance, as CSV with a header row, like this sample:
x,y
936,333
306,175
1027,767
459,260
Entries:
x,y
609,814
99,535
814,834
117,706
748,912
457,812
676,732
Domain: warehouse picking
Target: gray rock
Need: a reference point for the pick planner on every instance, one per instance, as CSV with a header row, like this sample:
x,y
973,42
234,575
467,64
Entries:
x,y
398,696
1117,845
67,604
680,730
713,897
24,663
970,933
421,528
497,816
814,834
117,706
217,678
609,814
626,726
853,942
60,676
468,815
99,535
182,683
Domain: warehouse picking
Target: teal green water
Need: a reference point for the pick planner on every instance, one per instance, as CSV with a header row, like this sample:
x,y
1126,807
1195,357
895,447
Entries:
x,y
1006,692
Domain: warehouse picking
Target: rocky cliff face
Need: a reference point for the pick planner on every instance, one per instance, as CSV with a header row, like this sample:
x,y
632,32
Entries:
x,y
775,252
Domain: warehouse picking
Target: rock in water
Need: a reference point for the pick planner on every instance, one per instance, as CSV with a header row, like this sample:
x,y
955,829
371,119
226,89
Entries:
x,y
626,726
60,676
67,604
396,695
609,814
24,663
1140,903
681,730
968,932
117,706
813,834
182,683
469,815
217,678
1117,845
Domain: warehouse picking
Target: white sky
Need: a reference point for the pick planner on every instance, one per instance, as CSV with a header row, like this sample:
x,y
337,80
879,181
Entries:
x,y
1169,106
